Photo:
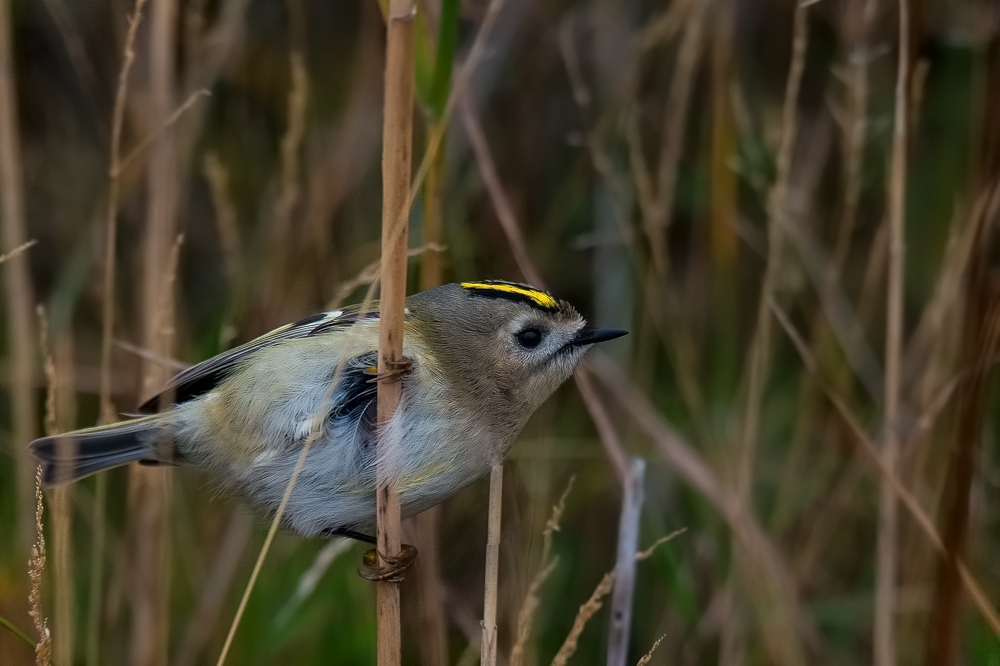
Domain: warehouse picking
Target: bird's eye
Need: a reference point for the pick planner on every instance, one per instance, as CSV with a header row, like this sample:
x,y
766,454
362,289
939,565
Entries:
x,y
529,338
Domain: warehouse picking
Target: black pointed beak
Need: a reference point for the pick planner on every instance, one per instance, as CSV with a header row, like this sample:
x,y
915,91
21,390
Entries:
x,y
589,335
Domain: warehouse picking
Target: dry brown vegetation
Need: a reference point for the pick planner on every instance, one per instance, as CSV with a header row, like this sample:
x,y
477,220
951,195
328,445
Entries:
x,y
793,207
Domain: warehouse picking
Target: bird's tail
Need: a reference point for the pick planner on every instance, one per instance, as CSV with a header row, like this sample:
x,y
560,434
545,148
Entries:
x,y
74,455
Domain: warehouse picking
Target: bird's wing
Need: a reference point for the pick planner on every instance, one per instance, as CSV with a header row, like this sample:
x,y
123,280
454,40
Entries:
x,y
205,376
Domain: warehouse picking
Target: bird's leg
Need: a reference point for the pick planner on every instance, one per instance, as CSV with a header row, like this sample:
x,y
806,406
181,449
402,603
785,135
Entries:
x,y
395,567
397,370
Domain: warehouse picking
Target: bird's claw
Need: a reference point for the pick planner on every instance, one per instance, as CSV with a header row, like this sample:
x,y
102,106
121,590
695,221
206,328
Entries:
x,y
397,370
395,567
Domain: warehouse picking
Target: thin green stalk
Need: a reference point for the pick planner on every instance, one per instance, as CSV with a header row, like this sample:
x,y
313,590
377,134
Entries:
x,y
4,622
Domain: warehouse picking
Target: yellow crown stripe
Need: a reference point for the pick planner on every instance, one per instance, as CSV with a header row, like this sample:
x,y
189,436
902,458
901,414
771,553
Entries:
x,y
539,298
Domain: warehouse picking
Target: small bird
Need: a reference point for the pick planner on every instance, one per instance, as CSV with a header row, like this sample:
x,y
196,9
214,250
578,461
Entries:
x,y
481,357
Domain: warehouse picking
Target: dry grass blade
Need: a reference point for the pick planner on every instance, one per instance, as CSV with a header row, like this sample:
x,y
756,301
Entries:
x,y
167,124
887,567
311,578
17,250
648,657
889,475
590,608
315,430
9,626
648,553
587,611
369,275
526,615
602,421
36,570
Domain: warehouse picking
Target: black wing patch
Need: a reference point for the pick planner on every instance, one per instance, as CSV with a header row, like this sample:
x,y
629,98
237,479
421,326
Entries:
x,y
356,388
205,376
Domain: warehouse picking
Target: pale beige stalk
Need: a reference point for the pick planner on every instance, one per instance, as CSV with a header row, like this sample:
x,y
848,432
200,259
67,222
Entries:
x,y
488,647
397,153
36,570
884,648
60,416
148,486
107,408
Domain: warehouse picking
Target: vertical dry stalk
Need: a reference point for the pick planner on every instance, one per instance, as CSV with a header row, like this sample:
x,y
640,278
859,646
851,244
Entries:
x,y
628,545
982,336
888,514
148,487
36,569
62,579
17,280
488,647
397,153
59,417
107,409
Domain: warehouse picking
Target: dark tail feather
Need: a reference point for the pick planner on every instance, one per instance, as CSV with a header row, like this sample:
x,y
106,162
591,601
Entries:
x,y
74,455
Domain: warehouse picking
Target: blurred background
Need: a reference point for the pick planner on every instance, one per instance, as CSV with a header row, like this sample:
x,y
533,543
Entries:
x,y
721,178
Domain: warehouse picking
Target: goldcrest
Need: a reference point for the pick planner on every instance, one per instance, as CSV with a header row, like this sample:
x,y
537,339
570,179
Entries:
x,y
482,356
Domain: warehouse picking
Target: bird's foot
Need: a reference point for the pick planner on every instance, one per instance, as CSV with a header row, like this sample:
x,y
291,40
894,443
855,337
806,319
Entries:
x,y
397,370
394,568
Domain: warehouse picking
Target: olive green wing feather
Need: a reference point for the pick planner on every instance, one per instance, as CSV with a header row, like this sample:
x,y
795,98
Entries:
x,y
202,378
